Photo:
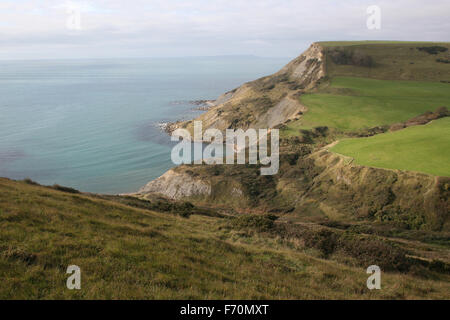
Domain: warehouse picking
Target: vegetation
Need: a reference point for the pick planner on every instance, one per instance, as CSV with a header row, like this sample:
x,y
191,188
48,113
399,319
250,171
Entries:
x,y
350,104
364,96
383,43
363,249
131,253
419,148
433,49
260,223
391,60
308,232
349,57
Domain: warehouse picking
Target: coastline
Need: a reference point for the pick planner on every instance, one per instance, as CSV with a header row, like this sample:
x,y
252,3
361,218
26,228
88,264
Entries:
x,y
201,105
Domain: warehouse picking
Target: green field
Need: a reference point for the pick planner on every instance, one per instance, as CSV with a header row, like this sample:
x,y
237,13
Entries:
x,y
351,103
392,61
421,148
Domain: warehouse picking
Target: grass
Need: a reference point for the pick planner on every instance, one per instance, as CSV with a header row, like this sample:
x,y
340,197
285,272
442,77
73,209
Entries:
x,y
420,148
132,253
393,61
375,42
404,82
135,249
351,103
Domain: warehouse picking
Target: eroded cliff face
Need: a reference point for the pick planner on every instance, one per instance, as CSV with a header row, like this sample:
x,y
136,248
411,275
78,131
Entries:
x,y
176,185
320,186
266,102
344,189
308,68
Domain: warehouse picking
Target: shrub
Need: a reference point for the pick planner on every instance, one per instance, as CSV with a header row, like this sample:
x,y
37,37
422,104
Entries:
x,y
29,181
439,266
307,136
256,186
443,60
321,131
290,158
64,189
271,217
260,223
366,250
432,49
184,209
347,57
16,254
442,112
362,60
323,240
371,250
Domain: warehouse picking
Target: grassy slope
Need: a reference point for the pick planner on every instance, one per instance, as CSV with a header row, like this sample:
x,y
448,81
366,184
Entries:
x,y
331,44
393,61
420,148
403,83
129,253
353,103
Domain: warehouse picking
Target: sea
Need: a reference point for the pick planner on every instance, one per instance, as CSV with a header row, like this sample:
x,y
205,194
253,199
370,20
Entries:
x,y
95,125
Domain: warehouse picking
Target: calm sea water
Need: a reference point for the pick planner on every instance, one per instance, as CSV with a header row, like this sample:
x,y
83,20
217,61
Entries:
x,y
92,125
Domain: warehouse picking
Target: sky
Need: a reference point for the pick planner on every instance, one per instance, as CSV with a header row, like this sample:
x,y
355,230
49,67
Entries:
x,y
49,29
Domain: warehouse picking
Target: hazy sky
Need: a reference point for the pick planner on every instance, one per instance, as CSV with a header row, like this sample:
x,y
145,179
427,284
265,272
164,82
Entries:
x,y
35,29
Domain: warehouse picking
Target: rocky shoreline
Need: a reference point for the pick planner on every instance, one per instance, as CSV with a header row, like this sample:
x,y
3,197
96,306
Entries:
x,y
201,105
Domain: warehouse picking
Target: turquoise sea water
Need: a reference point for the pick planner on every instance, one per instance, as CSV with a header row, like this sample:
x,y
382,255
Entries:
x,y
92,124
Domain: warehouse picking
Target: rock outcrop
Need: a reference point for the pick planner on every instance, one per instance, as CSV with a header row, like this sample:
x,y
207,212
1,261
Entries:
x,y
176,185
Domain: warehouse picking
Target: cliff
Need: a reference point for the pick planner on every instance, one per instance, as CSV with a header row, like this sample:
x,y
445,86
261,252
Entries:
x,y
314,184
177,185
319,186
266,102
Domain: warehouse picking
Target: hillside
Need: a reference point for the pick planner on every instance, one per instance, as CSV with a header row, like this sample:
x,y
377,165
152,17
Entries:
x,y
266,102
363,180
278,98
126,251
335,91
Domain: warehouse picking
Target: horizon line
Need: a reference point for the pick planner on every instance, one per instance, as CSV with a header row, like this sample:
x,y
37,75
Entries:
x,y
148,57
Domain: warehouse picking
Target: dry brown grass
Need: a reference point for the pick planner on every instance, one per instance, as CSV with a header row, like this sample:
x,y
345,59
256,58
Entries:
x,y
130,253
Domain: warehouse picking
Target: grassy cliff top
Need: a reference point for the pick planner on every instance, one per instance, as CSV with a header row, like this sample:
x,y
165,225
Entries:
x,y
373,84
420,61
352,103
377,42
